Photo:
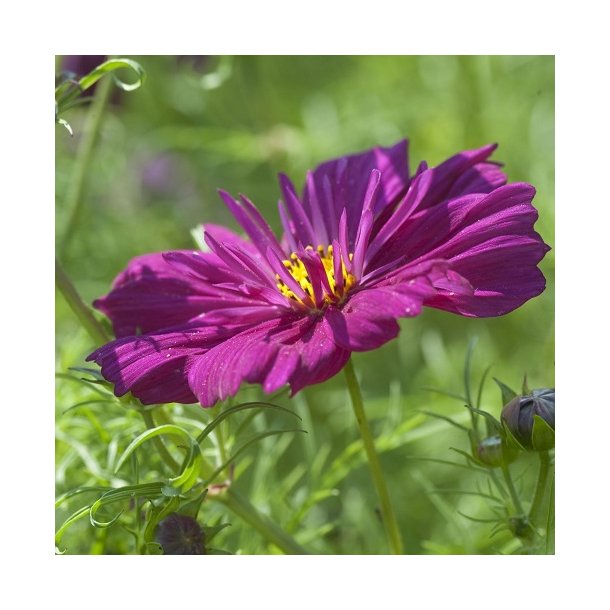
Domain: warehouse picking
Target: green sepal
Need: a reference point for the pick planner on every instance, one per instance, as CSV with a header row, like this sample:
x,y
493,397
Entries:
x,y
543,436
507,393
511,441
211,531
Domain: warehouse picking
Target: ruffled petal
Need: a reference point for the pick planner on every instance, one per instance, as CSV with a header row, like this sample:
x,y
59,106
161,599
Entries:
x,y
343,182
290,349
488,240
462,174
151,294
368,319
154,367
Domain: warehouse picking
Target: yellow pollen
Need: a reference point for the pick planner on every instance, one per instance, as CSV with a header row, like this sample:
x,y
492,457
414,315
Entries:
x,y
298,271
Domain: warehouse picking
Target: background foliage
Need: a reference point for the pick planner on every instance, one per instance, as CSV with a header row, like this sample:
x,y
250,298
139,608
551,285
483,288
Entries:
x,y
198,124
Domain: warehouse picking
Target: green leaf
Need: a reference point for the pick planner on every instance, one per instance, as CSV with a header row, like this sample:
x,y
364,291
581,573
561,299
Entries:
x,y
507,393
236,409
247,444
445,393
192,463
481,385
543,436
144,490
76,516
68,92
78,490
494,423
444,418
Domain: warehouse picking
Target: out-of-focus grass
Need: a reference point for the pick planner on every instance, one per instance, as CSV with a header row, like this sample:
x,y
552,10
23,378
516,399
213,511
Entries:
x,y
166,148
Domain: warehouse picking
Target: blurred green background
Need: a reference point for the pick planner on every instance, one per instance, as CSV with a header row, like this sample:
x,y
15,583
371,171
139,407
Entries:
x,y
202,123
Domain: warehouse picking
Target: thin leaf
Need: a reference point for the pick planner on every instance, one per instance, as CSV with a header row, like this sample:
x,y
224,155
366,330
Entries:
x,y
236,409
78,490
76,516
247,444
475,519
445,393
129,492
481,385
444,418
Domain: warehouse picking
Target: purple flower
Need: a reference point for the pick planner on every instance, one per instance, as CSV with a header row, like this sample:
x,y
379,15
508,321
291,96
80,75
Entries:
x,y
365,244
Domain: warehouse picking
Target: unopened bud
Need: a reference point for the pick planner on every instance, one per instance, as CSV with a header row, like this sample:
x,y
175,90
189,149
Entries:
x,y
531,419
180,535
493,451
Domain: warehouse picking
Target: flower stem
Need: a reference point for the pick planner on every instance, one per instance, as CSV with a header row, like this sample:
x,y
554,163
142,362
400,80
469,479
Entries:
x,y
387,512
240,505
74,196
83,313
541,487
511,489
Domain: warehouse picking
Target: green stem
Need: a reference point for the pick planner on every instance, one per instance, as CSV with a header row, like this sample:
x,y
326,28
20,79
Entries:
x,y
74,196
541,487
83,313
166,456
265,526
387,512
511,490
235,502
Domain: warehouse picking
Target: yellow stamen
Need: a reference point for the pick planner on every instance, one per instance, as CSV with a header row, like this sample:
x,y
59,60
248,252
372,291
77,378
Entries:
x,y
298,271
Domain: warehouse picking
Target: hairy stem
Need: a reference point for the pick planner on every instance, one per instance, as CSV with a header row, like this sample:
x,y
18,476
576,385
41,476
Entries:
x,y
387,512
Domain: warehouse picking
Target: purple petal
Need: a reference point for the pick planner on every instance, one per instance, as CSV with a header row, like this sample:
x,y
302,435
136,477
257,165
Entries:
x,y
488,240
290,349
151,294
348,178
303,230
253,224
153,367
368,318
449,178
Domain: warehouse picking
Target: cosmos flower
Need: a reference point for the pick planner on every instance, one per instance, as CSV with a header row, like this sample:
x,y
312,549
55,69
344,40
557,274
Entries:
x,y
365,244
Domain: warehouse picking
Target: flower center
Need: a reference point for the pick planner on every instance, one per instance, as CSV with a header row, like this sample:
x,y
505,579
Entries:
x,y
323,279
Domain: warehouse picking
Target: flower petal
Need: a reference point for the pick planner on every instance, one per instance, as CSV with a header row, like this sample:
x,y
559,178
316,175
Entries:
x,y
153,367
489,240
368,319
348,178
291,349
151,294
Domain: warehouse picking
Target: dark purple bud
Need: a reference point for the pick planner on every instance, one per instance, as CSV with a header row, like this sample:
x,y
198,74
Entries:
x,y
519,417
180,535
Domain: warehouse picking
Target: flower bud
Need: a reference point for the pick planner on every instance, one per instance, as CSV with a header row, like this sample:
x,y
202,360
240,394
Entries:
x,y
493,451
180,535
531,419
